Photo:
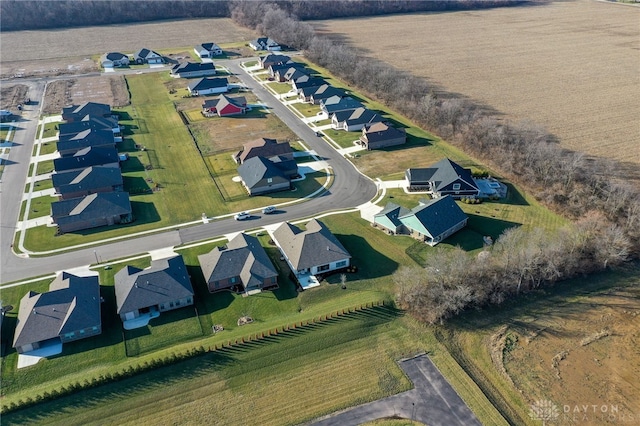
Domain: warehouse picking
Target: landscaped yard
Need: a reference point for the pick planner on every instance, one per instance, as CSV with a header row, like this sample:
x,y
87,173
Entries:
x,y
342,138
307,110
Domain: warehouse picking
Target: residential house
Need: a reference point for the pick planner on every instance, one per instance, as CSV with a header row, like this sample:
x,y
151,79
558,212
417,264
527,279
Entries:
x,y
92,211
78,112
354,120
243,265
278,70
273,59
434,220
69,311
87,157
443,178
80,183
5,115
264,147
207,50
208,86
312,251
114,60
337,103
69,144
142,294
292,74
193,69
261,176
146,56
91,122
381,135
388,219
316,94
224,106
264,43
306,83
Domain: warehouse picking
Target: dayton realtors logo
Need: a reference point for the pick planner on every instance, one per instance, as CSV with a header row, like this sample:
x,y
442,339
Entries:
x,y
543,410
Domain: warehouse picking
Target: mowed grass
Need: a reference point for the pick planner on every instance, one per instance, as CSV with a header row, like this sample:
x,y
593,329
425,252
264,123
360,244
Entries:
x,y
342,138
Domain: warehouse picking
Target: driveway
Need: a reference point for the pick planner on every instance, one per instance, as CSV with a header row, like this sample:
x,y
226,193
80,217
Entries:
x,y
432,401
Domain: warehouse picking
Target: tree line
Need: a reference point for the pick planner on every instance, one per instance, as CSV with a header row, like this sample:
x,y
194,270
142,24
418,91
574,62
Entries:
x,y
18,15
604,206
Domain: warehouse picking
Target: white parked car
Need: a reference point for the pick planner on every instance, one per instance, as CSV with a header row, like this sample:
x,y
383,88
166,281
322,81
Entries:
x,y
242,216
269,210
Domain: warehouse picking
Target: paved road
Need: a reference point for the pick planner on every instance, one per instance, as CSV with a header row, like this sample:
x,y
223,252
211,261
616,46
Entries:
x,y
432,401
350,189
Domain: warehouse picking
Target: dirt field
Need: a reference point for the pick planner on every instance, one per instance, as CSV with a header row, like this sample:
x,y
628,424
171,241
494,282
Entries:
x,y
111,90
571,66
74,50
12,95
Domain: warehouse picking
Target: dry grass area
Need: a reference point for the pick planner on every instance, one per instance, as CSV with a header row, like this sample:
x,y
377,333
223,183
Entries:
x,y
551,361
111,90
570,66
12,95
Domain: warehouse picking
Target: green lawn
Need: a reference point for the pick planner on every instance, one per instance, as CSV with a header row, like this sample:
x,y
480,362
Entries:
x,y
50,130
342,138
47,148
279,88
41,206
44,167
308,110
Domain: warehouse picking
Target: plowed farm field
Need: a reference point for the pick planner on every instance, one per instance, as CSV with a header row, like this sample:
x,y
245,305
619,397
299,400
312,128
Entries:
x,y
572,67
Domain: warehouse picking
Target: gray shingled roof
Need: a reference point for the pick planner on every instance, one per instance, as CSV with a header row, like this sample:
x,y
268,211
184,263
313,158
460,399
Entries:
x,y
243,257
114,56
264,147
71,304
381,131
356,116
86,180
166,280
192,67
87,108
256,169
94,206
313,247
208,46
435,216
443,173
339,103
208,83
84,139
87,157
88,122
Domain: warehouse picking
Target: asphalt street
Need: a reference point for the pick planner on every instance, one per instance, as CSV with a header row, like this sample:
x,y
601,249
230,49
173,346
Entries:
x,y
349,189
432,401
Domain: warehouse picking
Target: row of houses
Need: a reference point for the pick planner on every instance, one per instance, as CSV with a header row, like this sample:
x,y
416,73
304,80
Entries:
x,y
148,56
87,177
345,112
70,310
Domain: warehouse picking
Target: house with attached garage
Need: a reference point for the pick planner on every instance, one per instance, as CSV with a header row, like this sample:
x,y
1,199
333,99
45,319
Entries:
x,y
272,59
142,294
114,60
87,157
306,83
69,311
355,119
336,103
312,251
91,122
434,220
92,211
389,219
260,176
68,145
207,50
224,106
443,178
79,112
277,71
80,183
264,43
241,266
146,56
324,92
208,86
193,69
381,135
264,147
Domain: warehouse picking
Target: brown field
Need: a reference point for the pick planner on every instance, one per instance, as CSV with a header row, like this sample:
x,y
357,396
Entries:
x,y
73,50
570,66
111,90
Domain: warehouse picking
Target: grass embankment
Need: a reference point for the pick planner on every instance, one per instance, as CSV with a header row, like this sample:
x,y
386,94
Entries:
x,y
351,358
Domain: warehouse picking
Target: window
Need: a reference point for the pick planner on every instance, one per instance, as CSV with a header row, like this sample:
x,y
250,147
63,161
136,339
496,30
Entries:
x,y
233,280
323,268
269,180
341,264
456,186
